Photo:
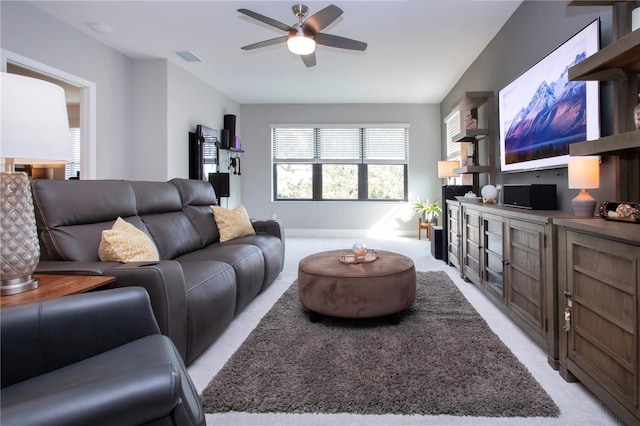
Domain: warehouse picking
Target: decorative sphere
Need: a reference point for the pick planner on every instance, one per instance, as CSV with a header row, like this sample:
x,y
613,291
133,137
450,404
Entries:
x,y
489,192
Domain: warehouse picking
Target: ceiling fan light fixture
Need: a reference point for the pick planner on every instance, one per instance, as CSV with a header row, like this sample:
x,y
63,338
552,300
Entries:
x,y
301,44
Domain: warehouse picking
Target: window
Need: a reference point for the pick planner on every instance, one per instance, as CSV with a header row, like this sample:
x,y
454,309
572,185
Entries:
x,y
340,163
72,170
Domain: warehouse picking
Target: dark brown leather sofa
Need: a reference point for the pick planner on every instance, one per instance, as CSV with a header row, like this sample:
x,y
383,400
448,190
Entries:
x,y
199,284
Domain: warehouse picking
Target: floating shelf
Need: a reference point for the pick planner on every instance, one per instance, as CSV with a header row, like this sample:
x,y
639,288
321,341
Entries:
x,y
470,135
613,62
622,144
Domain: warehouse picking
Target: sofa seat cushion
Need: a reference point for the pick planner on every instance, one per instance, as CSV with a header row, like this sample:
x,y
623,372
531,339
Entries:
x,y
272,251
247,262
87,382
211,303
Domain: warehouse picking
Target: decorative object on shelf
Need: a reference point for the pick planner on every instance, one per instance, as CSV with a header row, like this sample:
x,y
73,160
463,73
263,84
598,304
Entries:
x,y
584,173
499,189
446,169
635,19
365,255
636,110
34,130
470,122
428,211
489,194
622,211
359,250
469,198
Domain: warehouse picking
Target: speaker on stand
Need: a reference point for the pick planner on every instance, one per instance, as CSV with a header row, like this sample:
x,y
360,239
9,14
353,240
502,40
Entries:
x,y
220,183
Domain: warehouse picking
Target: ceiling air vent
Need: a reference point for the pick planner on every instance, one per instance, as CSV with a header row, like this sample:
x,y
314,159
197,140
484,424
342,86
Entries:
x,y
188,56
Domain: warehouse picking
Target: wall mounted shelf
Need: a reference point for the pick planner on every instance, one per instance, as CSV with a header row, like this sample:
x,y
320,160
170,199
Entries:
x,y
471,135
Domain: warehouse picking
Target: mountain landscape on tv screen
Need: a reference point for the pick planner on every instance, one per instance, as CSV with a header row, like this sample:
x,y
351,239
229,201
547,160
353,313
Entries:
x,y
554,118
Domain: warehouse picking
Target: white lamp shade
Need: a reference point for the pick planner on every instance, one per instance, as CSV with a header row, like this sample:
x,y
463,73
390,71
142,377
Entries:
x,y
445,169
34,122
584,172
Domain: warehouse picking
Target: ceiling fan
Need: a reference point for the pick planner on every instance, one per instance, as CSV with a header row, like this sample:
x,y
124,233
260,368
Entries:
x,y
303,36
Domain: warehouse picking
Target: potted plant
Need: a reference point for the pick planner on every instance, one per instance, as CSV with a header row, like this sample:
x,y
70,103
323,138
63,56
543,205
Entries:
x,y
427,210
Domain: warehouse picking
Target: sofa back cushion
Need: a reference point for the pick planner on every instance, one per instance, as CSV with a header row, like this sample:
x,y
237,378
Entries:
x,y
71,215
197,198
160,208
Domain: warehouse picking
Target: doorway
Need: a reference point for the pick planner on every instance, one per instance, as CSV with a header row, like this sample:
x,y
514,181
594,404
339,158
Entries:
x,y
80,96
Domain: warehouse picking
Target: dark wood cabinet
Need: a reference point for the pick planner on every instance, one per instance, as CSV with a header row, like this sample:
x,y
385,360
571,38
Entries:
x,y
599,285
510,254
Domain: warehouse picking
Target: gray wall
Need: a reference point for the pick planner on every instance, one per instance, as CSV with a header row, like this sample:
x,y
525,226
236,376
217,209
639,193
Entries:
x,y
534,31
145,109
376,217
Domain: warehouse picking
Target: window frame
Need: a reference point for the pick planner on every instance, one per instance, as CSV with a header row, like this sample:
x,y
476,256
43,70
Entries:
x,y
362,163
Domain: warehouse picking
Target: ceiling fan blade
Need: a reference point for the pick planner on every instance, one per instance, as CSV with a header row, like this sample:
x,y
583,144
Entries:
x,y
309,60
339,42
322,19
266,20
265,43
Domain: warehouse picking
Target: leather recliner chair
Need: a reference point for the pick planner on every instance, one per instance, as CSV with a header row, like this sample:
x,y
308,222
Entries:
x,y
92,359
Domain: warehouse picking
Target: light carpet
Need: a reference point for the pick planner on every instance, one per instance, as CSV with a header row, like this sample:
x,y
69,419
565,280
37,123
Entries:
x,y
441,359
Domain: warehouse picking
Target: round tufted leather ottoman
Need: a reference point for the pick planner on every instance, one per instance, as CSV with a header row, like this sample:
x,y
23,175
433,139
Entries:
x,y
363,290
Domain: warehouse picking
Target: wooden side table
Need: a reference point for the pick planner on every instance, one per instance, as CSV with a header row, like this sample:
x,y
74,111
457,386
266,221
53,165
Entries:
x,y
425,225
52,286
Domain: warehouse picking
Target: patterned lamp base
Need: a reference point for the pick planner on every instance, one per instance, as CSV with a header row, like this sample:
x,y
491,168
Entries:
x,y
20,251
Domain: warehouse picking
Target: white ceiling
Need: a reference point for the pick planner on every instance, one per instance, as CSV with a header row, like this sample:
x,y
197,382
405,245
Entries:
x,y
416,52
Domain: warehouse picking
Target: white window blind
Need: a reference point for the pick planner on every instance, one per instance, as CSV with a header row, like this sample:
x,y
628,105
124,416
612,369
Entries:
x,y
370,145
292,145
453,128
72,169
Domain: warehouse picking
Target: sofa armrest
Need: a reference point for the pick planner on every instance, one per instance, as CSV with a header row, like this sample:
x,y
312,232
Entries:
x,y
74,268
40,337
163,280
271,227
132,399
165,283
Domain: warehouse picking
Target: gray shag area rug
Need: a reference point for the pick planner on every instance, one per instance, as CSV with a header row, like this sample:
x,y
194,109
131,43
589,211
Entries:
x,y
442,358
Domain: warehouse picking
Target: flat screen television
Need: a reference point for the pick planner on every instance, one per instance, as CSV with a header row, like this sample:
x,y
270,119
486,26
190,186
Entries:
x,y
542,112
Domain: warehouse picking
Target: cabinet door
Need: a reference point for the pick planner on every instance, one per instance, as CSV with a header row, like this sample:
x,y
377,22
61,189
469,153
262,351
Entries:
x,y
602,277
453,239
471,248
492,256
525,272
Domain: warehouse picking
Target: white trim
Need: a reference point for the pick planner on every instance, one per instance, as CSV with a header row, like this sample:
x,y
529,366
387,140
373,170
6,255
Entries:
x,y
347,233
88,116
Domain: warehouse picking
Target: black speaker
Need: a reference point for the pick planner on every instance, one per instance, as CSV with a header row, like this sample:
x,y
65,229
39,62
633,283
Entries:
x,y
532,197
436,242
220,182
225,141
230,125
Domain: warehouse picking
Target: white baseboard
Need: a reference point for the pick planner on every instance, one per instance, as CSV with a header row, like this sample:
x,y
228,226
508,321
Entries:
x,y
346,233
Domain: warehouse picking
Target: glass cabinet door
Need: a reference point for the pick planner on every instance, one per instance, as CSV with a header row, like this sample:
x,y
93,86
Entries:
x,y
493,258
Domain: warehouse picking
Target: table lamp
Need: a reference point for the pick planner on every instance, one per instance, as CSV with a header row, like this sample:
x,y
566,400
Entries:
x,y
34,129
445,169
584,173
